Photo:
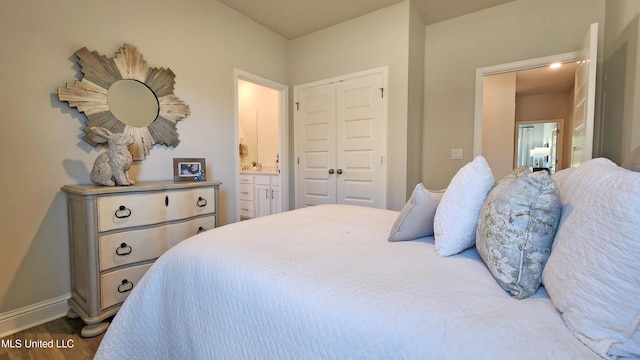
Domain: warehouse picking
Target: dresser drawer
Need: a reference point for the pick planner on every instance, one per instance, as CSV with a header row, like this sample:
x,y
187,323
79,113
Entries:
x,y
246,208
129,247
137,209
264,179
245,179
246,192
117,285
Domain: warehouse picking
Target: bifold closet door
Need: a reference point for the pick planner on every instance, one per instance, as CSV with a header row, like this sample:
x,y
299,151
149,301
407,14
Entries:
x,y
316,138
341,141
360,135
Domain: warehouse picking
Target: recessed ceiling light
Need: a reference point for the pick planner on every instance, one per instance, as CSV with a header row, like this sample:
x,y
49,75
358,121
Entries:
x,y
555,65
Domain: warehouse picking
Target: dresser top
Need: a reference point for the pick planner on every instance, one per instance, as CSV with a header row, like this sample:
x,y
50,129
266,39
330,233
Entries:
x,y
91,189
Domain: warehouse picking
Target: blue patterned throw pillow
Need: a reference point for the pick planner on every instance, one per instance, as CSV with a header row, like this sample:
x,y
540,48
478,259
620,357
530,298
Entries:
x,y
516,228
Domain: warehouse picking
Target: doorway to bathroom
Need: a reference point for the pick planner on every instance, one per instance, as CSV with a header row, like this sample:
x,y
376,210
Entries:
x,y
261,129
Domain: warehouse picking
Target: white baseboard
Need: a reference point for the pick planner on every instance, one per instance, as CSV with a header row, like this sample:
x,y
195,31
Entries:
x,y
33,315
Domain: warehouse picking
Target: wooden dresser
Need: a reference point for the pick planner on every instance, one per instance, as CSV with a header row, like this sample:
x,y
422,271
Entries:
x,y
116,233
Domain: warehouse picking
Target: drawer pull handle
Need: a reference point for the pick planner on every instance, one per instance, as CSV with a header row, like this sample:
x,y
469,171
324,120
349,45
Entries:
x,y
123,250
201,230
166,200
125,286
201,202
123,212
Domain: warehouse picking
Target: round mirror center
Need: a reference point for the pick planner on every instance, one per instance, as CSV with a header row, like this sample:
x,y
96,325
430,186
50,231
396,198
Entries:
x,y
132,102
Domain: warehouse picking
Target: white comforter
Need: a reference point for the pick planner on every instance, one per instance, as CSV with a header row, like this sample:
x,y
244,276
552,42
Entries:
x,y
324,283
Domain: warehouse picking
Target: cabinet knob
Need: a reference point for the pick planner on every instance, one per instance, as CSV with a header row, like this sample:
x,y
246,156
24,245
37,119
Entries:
x,y
331,171
123,212
125,286
339,171
123,250
201,230
202,202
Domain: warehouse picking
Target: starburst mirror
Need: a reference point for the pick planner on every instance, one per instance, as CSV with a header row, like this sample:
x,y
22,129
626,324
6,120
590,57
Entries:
x,y
123,94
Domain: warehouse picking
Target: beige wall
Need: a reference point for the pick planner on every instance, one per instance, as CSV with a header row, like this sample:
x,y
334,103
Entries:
x,y
621,89
498,122
515,31
201,41
415,108
373,40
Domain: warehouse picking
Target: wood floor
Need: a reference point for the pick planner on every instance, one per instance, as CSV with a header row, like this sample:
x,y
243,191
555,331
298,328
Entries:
x,y
63,334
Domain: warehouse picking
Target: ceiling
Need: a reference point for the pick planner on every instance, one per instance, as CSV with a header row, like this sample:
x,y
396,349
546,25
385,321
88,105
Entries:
x,y
545,80
295,18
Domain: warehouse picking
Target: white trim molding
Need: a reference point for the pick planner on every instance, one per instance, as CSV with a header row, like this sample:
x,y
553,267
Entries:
x,y
26,317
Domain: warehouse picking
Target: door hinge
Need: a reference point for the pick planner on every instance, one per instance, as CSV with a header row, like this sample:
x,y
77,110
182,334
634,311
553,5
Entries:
x,y
297,106
382,93
298,160
381,160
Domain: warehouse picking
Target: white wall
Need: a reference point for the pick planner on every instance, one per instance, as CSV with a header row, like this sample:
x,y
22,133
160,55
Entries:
x,y
200,40
373,40
515,31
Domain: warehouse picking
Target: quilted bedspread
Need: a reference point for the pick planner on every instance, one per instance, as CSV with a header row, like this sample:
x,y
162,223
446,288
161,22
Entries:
x,y
324,283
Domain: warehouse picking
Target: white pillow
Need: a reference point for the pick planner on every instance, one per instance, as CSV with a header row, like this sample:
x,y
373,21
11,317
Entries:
x,y
632,162
416,218
457,214
593,273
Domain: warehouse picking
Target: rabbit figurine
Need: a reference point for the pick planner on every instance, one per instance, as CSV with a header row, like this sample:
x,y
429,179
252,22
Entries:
x,y
112,166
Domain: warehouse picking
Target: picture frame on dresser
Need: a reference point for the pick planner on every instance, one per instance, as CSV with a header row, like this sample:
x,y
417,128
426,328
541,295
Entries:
x,y
189,169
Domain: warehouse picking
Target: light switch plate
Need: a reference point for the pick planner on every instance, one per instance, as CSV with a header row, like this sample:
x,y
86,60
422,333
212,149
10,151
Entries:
x,y
456,154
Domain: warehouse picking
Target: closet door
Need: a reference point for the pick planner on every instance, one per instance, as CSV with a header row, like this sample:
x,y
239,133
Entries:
x,y
360,139
316,140
341,142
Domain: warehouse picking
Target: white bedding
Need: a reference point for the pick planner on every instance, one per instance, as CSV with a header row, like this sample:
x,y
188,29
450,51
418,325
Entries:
x,y
324,283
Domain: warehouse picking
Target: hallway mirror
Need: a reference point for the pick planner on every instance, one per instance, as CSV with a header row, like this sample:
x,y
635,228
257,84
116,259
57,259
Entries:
x,y
538,145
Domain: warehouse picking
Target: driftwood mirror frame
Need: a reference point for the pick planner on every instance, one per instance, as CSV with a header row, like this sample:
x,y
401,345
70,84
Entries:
x,y
89,96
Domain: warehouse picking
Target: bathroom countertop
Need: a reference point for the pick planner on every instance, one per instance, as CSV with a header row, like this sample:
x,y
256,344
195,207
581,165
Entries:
x,y
263,172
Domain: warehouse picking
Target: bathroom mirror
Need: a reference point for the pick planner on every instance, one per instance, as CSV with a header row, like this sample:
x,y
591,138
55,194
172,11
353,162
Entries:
x,y
248,133
123,94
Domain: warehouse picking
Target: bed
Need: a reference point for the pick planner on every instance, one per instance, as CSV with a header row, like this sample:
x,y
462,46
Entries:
x,y
325,282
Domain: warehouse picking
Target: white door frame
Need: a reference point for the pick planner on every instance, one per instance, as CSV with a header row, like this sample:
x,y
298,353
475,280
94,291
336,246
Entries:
x,y
503,68
283,133
385,83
